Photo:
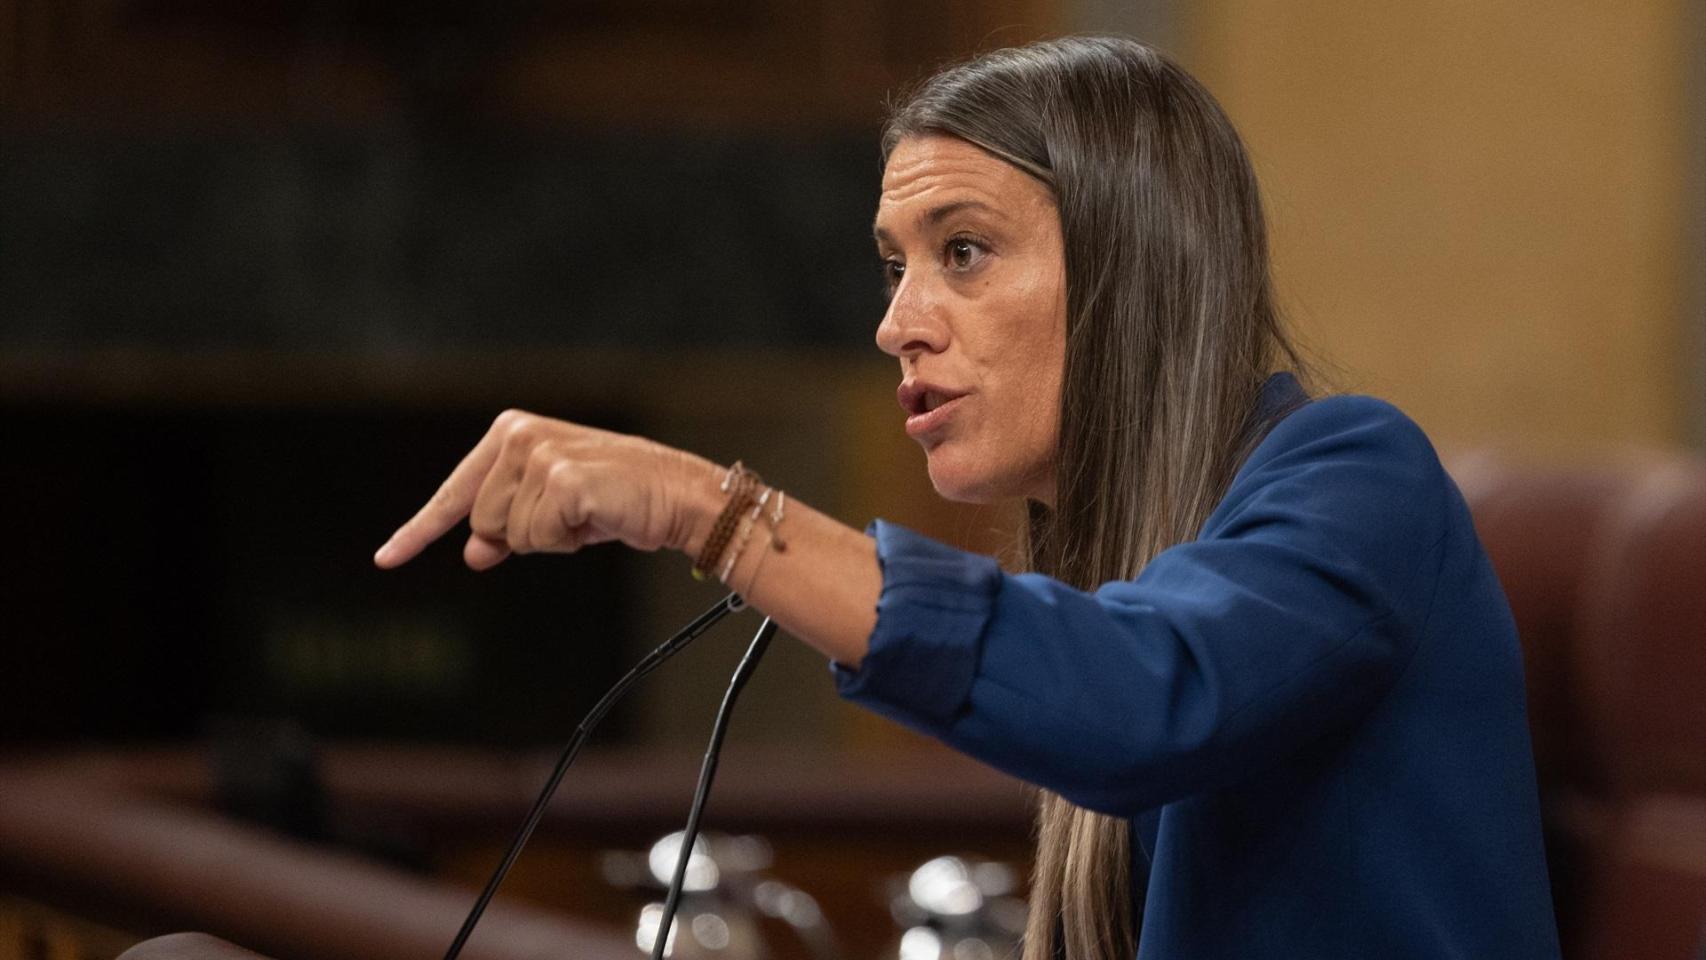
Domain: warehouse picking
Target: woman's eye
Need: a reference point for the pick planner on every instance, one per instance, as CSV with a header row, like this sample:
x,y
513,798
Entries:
x,y
963,253
893,270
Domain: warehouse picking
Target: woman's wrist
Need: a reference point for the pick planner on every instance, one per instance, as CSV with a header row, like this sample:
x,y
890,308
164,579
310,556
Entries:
x,y
699,500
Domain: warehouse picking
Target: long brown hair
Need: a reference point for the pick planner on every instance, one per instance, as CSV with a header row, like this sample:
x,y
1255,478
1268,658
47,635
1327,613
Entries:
x,y
1171,330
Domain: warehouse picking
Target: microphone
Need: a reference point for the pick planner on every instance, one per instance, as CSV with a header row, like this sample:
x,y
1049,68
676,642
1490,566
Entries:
x,y
707,771
669,648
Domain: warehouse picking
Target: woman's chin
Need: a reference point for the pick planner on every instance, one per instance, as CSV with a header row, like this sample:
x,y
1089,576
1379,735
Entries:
x,y
958,474
959,481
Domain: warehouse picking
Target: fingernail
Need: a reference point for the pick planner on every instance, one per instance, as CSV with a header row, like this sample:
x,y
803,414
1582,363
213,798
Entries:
x,y
383,554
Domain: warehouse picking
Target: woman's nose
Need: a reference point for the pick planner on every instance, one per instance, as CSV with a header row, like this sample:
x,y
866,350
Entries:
x,y
911,326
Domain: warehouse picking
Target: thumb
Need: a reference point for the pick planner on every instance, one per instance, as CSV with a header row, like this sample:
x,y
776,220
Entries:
x,y
482,553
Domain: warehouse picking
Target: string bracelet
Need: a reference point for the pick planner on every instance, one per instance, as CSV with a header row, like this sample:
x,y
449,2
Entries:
x,y
739,483
775,520
772,523
750,504
746,525
752,578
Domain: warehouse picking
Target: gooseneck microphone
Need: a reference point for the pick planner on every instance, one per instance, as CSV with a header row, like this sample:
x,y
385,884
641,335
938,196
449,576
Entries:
x,y
707,771
652,661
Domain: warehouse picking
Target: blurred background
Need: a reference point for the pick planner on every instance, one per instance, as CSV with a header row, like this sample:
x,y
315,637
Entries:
x,y
268,269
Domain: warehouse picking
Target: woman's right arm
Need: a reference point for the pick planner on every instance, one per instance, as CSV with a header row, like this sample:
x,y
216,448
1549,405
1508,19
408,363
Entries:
x,y
1293,614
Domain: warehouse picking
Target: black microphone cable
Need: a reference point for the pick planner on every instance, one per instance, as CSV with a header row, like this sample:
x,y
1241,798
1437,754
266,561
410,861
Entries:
x,y
652,661
707,771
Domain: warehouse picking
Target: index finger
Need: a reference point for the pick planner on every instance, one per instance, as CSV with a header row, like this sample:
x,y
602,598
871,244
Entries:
x,y
455,497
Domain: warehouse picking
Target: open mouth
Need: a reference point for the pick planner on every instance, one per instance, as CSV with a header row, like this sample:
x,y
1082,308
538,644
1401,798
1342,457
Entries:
x,y
919,398
927,405
930,401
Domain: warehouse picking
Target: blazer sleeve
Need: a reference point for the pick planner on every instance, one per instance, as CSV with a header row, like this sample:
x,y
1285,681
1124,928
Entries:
x,y
1294,611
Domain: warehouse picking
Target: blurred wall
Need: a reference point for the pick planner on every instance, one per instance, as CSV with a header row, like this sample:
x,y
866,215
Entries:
x,y
1481,210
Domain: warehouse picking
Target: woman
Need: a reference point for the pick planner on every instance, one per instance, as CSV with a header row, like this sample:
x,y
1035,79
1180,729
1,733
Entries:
x,y
1261,665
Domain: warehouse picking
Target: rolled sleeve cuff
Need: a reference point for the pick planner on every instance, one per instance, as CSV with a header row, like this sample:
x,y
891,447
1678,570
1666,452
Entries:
x,y
923,653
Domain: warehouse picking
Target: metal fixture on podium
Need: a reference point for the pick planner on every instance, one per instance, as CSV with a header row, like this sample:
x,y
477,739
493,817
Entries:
x,y
958,908
729,901
652,661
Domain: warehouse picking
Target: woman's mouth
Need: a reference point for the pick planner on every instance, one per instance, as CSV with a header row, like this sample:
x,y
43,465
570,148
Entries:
x,y
928,406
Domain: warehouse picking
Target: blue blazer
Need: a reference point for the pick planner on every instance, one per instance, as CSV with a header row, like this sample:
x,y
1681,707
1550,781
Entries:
x,y
1312,714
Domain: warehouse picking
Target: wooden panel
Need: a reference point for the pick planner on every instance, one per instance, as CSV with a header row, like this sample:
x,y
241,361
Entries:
x,y
1477,208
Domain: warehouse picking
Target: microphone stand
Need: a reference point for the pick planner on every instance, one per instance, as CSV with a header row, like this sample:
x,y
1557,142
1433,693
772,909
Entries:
x,y
707,771
652,661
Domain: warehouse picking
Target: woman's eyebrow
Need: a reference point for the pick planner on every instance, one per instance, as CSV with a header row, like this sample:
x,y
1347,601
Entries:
x,y
936,215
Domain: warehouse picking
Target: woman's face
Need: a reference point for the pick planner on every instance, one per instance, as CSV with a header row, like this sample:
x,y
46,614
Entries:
x,y
975,265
